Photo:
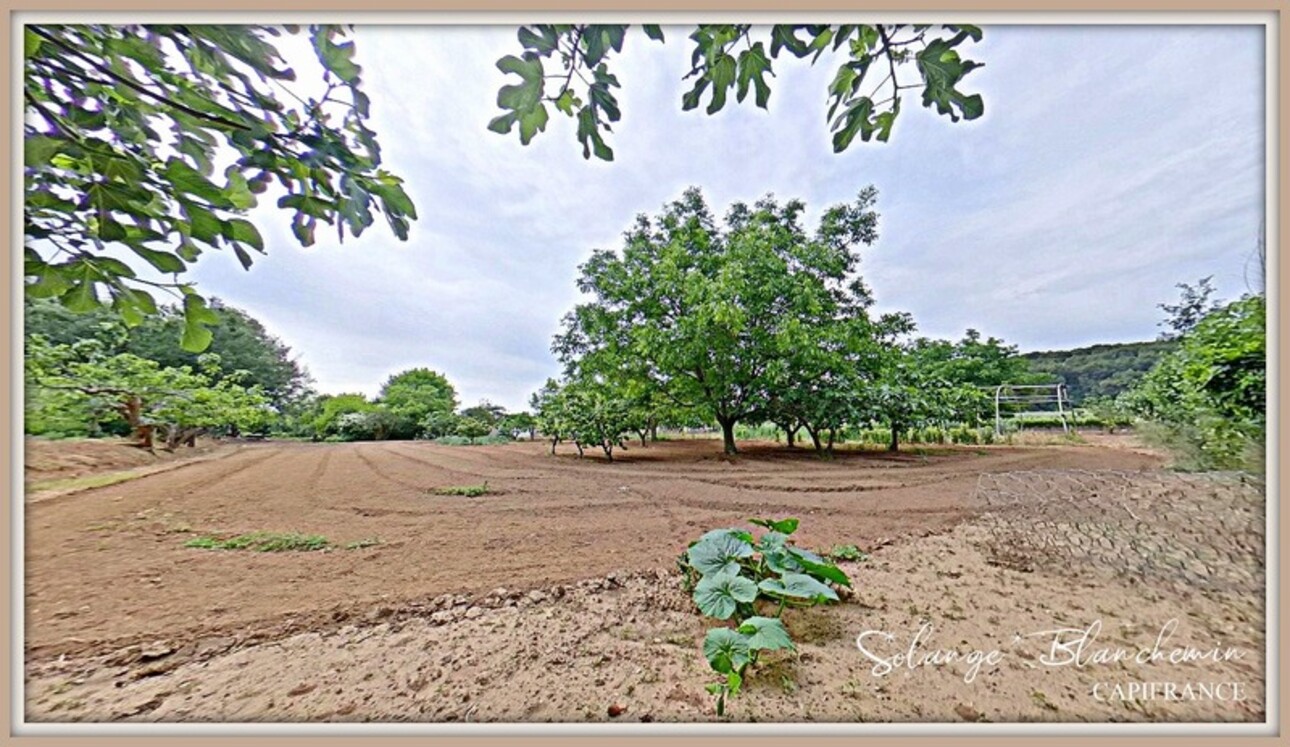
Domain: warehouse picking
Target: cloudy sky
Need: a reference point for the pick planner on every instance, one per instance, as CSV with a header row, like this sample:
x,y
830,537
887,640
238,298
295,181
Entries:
x,y
1112,163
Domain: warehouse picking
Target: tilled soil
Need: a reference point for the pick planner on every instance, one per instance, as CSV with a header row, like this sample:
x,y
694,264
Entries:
x,y
108,567
628,648
111,588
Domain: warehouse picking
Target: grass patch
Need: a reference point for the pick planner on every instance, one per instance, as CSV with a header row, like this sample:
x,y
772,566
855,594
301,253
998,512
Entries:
x,y
467,491
360,544
845,552
263,542
84,483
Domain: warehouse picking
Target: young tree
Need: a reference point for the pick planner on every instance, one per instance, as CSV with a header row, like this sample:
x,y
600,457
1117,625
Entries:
x,y
707,313
597,415
516,423
738,59
550,412
485,412
472,428
100,174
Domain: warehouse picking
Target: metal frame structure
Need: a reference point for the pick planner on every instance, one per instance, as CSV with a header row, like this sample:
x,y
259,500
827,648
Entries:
x,y
1034,394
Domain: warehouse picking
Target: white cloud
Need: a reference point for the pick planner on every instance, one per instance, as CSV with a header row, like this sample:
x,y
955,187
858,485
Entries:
x,y
1112,163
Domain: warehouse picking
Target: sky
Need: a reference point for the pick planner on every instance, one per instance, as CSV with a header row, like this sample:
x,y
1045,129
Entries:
x,y
1112,163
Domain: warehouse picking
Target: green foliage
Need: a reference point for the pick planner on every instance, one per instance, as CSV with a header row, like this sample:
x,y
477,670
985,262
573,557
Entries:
x,y
718,320
516,423
567,67
245,347
99,175
84,383
1208,398
466,491
332,407
472,428
845,552
734,575
1100,371
377,423
265,542
419,394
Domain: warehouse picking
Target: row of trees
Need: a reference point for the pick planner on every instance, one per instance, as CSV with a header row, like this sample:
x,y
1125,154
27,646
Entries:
x,y
416,403
89,374
751,320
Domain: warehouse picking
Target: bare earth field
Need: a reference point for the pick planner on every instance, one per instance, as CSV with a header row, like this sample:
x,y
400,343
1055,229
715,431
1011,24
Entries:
x,y
551,598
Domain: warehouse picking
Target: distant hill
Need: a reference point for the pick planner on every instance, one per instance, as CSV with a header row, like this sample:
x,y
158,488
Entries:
x,y
1100,370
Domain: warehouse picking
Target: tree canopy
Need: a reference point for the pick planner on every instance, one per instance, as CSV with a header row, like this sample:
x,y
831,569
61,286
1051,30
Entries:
x,y
241,342
147,146
418,393
568,67
711,314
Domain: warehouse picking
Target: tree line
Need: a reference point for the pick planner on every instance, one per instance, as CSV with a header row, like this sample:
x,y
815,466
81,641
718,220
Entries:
x,y
89,375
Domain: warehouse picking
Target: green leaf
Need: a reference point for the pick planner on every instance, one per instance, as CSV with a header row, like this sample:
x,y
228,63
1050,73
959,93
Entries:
x,y
785,526
722,73
38,150
243,231
719,595
239,191
766,634
81,298
816,566
654,32
187,180
195,338
797,585
726,650
544,41
531,123
718,554
739,534
338,58
30,43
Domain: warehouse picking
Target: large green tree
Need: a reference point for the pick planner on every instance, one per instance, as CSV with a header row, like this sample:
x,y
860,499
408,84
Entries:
x,y
567,67
418,393
145,146
708,312
177,404
242,343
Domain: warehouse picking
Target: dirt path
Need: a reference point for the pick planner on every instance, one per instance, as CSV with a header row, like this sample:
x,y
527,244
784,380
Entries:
x,y
107,568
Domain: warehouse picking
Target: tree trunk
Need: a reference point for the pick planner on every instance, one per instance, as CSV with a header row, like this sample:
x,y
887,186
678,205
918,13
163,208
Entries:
x,y
829,447
643,433
653,431
554,441
895,437
815,438
609,450
132,410
728,434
